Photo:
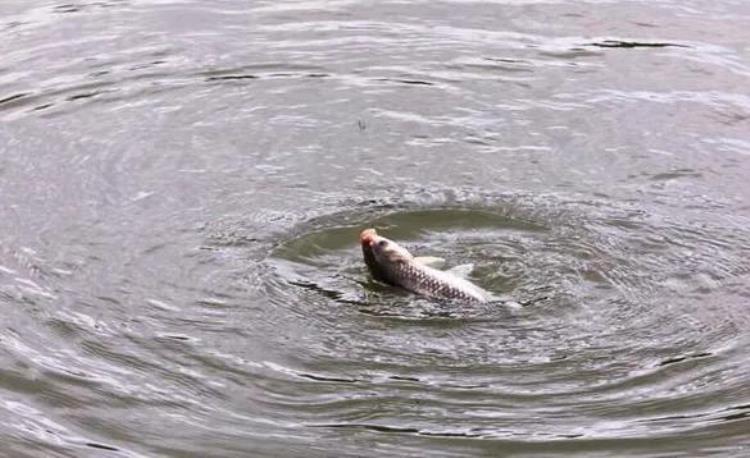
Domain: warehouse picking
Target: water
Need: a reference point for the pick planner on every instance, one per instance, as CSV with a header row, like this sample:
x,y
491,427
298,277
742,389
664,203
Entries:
x,y
183,183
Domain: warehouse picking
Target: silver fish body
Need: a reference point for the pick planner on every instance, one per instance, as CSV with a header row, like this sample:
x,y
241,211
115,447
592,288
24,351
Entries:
x,y
390,263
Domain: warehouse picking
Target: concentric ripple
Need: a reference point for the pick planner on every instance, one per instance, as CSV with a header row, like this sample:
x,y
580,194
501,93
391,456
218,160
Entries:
x,y
616,339
183,183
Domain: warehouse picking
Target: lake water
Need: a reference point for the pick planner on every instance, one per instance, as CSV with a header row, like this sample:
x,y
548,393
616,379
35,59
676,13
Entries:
x,y
182,184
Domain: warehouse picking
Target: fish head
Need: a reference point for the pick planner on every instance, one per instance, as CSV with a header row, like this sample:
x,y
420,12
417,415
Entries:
x,y
382,255
385,251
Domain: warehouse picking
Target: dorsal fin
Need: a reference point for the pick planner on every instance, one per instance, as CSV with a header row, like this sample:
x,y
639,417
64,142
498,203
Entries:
x,y
431,261
462,271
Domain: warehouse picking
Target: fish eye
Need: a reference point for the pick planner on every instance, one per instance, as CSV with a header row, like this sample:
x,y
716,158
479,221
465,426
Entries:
x,y
382,243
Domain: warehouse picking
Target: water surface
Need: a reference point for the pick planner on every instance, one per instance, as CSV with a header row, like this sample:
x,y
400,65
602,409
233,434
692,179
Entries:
x,y
183,183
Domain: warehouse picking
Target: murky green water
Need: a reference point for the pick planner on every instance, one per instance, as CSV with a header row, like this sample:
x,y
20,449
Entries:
x,y
182,185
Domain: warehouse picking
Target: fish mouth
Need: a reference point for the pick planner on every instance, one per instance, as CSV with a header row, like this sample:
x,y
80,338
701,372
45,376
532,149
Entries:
x,y
367,237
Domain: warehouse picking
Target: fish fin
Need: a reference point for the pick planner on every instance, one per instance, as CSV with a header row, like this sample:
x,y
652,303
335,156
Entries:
x,y
462,271
430,261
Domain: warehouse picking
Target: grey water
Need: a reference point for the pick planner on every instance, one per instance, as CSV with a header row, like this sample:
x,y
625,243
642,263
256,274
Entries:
x,y
182,183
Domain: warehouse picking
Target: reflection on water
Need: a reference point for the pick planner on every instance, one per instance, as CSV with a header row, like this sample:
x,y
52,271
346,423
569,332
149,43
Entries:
x,y
183,184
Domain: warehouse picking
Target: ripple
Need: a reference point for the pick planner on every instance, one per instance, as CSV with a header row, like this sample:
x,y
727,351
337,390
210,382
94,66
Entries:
x,y
185,183
604,343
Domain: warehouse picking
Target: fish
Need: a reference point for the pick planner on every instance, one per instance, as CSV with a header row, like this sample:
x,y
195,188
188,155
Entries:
x,y
392,264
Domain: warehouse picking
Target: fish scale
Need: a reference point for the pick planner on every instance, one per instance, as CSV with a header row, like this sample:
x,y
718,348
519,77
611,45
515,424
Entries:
x,y
422,280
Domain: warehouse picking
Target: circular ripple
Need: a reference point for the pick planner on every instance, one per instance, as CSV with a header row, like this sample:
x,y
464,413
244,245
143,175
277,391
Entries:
x,y
616,331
